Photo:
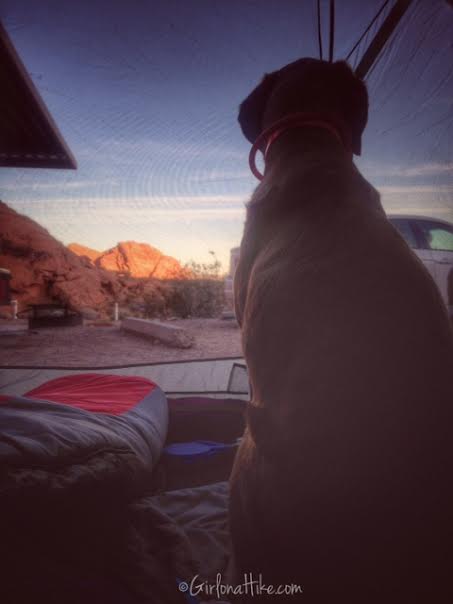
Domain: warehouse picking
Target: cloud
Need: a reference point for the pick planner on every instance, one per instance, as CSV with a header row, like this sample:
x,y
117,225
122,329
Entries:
x,y
219,175
427,200
419,170
137,210
185,146
433,169
415,189
146,200
433,211
59,185
164,215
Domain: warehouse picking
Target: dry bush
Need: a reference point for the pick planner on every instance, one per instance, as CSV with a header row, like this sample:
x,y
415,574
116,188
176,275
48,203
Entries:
x,y
196,298
200,296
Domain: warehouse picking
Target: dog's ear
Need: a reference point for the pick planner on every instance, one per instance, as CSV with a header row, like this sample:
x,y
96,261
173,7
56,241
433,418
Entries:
x,y
251,110
355,103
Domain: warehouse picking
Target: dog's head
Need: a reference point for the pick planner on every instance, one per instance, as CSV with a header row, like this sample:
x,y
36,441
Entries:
x,y
307,85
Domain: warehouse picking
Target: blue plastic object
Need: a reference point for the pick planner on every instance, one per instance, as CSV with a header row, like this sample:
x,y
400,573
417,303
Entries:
x,y
195,450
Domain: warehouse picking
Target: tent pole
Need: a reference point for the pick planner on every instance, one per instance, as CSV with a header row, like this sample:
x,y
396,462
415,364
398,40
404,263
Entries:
x,y
380,39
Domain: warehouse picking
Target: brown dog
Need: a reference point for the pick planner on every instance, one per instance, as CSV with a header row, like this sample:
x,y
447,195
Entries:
x,y
343,481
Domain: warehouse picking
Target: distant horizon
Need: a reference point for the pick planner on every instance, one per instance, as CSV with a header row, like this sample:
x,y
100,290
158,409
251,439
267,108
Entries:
x,y
101,252
402,205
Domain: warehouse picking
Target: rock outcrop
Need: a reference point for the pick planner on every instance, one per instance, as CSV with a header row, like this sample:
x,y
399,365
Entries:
x,y
140,260
82,250
44,270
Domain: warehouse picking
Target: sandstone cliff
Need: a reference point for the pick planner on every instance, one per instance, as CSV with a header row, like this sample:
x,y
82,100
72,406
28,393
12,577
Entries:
x,y
44,270
82,250
140,260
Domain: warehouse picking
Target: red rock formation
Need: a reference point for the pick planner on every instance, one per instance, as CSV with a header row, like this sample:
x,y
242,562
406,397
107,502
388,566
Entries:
x,y
82,250
141,260
44,270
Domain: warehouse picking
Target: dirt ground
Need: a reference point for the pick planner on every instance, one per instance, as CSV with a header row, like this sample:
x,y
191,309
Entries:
x,y
96,345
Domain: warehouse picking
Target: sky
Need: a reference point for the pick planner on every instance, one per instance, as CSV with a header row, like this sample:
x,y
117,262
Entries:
x,y
146,95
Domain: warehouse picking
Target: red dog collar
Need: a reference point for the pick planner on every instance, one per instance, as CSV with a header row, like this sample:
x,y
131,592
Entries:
x,y
295,120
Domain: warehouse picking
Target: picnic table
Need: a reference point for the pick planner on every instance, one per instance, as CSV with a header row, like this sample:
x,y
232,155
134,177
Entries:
x,y
53,315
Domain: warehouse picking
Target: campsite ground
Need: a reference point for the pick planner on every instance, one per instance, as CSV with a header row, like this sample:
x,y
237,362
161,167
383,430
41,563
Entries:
x,y
96,345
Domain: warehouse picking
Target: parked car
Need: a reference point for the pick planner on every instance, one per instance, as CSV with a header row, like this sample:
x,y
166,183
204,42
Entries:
x,y
430,238
432,241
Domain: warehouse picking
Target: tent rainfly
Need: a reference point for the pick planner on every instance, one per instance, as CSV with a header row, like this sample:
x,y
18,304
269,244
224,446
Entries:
x,y
29,138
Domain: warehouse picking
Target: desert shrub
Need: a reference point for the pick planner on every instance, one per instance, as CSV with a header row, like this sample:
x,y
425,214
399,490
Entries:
x,y
155,301
196,298
209,270
180,299
200,296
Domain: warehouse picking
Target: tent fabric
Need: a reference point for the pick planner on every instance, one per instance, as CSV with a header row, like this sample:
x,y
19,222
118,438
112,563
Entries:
x,y
239,379
205,418
29,137
209,377
110,394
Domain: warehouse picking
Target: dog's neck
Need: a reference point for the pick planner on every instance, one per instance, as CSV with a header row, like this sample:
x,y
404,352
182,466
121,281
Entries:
x,y
305,146
305,168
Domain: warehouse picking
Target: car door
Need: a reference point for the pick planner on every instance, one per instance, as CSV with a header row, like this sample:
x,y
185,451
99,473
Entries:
x,y
439,239
413,237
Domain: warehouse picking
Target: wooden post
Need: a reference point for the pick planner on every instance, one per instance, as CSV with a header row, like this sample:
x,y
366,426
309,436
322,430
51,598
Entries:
x,y
14,307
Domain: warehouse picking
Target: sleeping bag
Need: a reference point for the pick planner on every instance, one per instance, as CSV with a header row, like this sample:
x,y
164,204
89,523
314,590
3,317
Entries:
x,y
76,460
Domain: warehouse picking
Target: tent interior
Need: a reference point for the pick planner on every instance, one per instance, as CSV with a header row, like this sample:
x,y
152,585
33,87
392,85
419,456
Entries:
x,y
142,99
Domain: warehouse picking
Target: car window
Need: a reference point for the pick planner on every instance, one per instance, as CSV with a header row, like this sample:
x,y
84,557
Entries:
x,y
438,236
405,231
